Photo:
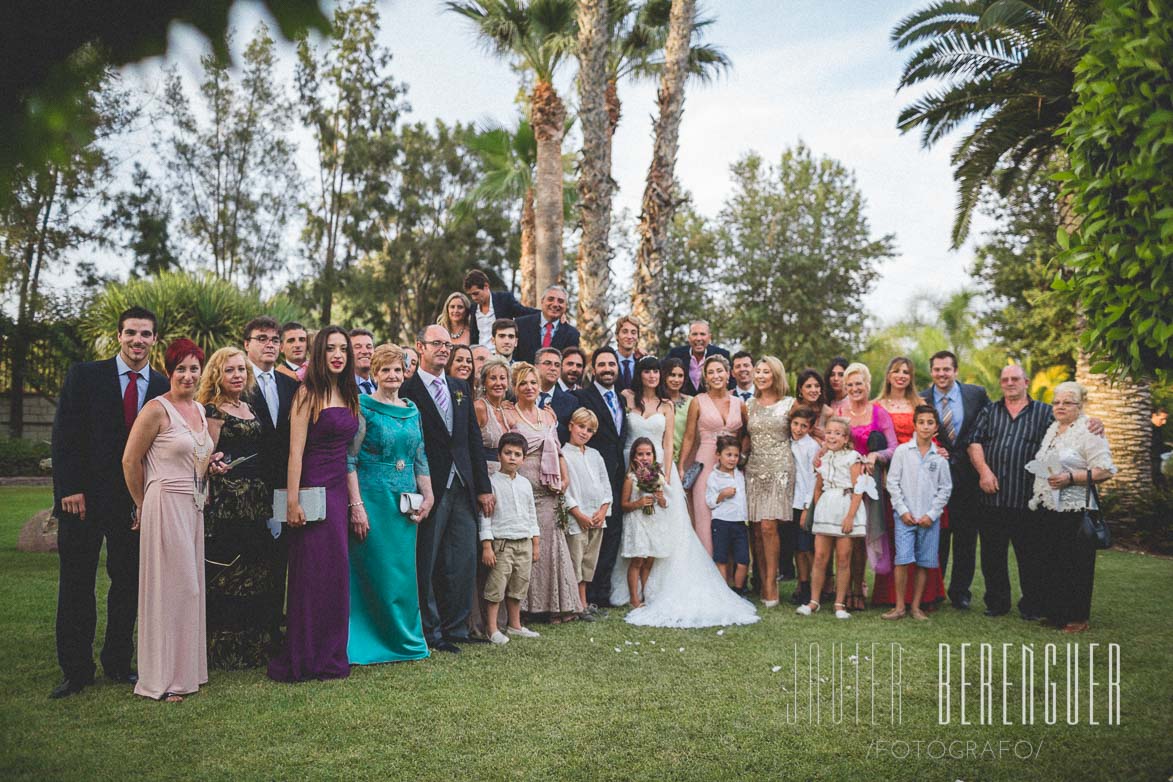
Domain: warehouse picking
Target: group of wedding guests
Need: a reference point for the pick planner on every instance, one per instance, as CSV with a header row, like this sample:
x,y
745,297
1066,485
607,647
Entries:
x,y
307,501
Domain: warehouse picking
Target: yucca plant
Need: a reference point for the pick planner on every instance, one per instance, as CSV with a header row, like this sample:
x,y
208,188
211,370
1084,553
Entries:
x,y
208,310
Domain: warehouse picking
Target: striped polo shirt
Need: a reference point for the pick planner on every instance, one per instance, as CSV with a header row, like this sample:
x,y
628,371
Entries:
x,y
1008,444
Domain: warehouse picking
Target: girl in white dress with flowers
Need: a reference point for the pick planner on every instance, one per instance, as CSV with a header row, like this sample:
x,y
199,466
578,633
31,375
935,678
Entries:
x,y
684,588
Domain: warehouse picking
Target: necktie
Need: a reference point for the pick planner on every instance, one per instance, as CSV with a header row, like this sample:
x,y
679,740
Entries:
x,y
130,399
440,394
544,400
368,388
610,397
947,420
627,371
270,395
548,335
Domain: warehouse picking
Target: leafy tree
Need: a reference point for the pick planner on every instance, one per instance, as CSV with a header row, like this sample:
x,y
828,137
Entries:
x,y
204,308
432,237
1119,139
351,103
797,257
235,175
40,219
47,73
541,34
139,221
1014,267
687,291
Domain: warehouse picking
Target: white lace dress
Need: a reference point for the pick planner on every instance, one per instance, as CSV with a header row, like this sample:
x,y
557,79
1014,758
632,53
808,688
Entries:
x,y
685,588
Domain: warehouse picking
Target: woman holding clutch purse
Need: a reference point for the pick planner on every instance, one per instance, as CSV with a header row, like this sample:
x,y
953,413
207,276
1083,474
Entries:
x,y
322,425
386,462
242,560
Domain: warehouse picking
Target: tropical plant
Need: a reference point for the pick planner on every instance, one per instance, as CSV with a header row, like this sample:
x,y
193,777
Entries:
x,y
660,191
541,34
1009,67
200,306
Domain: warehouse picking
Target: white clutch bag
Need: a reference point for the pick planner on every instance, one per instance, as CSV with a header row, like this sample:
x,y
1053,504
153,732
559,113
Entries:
x,y
313,503
410,502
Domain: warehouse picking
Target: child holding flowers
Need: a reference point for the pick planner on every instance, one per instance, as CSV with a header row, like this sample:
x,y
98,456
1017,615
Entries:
x,y
644,503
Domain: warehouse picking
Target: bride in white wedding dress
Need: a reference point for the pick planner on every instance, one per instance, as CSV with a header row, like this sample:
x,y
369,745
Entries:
x,y
684,588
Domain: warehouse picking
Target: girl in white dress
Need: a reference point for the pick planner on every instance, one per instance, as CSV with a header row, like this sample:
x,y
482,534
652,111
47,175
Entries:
x,y
839,514
644,520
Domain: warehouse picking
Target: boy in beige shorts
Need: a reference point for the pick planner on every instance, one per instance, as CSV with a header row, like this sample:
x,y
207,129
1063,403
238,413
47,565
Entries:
x,y
588,501
509,541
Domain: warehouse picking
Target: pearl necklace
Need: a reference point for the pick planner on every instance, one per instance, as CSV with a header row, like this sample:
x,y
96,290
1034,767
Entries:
x,y
532,425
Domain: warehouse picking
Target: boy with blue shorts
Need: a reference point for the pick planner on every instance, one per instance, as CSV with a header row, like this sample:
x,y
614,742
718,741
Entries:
x,y
919,485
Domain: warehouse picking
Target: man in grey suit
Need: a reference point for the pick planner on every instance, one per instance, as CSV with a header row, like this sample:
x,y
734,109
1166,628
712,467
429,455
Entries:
x,y
958,405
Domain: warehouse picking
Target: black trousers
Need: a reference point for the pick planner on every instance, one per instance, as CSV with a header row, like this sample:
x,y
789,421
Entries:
x,y
961,534
599,590
79,546
788,537
1000,528
446,566
1069,568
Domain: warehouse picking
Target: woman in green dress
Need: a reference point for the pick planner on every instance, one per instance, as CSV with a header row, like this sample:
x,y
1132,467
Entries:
x,y
242,561
387,459
672,370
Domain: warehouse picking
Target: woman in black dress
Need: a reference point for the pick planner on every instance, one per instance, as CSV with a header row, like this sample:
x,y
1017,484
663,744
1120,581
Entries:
x,y
241,556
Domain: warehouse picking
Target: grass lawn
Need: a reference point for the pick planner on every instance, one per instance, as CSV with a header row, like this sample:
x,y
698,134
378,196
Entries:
x,y
569,706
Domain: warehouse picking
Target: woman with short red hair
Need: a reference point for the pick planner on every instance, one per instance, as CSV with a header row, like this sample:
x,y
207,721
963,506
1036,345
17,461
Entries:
x,y
166,461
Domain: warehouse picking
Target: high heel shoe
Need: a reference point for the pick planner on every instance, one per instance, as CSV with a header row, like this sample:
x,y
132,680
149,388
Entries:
x,y
806,610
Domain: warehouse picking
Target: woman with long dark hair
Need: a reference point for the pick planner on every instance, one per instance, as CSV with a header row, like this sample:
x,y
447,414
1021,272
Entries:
x,y
836,393
811,393
322,425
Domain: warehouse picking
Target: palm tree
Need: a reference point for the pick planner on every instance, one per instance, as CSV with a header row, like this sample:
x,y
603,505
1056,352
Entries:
x,y
1009,66
660,192
541,34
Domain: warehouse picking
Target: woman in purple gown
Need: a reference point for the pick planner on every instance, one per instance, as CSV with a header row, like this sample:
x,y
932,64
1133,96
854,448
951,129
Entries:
x,y
322,424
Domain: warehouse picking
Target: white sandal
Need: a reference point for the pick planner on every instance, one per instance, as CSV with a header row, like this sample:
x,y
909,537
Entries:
x,y
841,613
806,610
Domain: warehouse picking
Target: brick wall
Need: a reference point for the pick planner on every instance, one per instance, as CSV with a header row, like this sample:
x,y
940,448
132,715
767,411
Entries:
x,y
38,417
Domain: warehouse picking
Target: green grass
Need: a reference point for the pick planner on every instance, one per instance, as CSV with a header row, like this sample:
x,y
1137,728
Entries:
x,y
564,707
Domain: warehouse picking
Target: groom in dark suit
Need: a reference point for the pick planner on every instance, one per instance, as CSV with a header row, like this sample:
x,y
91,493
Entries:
x,y
601,396
546,329
700,346
446,550
98,404
958,405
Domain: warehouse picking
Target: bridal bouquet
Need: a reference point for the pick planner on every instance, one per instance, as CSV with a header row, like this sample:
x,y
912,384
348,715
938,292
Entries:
x,y
649,480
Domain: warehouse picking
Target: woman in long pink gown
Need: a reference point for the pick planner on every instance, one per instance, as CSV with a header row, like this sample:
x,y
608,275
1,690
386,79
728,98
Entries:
x,y
710,414
165,464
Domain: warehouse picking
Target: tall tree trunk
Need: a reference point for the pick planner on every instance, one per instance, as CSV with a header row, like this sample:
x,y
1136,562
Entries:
x,y
548,116
1125,406
659,200
529,252
594,173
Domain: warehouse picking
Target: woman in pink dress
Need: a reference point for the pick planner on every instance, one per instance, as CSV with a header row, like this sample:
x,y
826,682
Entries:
x,y
165,463
899,399
710,414
866,417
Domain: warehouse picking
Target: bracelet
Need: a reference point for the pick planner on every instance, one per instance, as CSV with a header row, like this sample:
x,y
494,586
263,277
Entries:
x,y
355,504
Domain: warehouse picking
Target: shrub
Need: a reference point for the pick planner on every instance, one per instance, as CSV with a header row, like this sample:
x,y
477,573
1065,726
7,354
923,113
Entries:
x,y
22,457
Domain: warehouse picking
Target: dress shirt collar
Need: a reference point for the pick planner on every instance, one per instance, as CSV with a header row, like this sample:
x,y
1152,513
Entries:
x,y
604,391
953,394
257,371
427,376
123,367
554,323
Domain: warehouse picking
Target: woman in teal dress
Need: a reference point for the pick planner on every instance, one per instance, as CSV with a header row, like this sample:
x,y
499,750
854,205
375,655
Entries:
x,y
386,460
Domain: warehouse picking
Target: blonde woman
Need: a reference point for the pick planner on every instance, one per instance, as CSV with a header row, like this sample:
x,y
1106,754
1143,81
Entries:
x,y
455,317
243,566
553,586
769,472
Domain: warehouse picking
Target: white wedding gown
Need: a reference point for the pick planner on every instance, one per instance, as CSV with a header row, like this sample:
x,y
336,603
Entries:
x,y
684,589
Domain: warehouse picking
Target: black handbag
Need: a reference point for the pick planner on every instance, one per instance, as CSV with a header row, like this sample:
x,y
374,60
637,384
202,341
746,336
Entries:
x,y
1093,528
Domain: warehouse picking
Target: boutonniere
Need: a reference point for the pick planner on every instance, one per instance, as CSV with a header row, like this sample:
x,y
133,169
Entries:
x,y
458,396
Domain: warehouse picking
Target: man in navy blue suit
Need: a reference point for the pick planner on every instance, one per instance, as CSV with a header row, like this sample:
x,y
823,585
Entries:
x,y
700,346
550,392
545,329
97,406
488,306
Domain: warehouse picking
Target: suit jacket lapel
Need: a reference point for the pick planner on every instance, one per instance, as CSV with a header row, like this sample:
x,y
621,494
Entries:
x,y
428,410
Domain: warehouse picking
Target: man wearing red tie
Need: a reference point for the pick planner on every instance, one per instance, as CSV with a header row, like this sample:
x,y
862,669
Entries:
x,y
95,411
546,329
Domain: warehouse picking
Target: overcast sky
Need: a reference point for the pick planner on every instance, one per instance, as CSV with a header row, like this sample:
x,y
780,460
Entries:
x,y
811,70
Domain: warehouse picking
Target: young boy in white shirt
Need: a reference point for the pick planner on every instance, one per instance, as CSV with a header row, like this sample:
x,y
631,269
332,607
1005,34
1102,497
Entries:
x,y
725,496
805,448
919,485
509,541
588,501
